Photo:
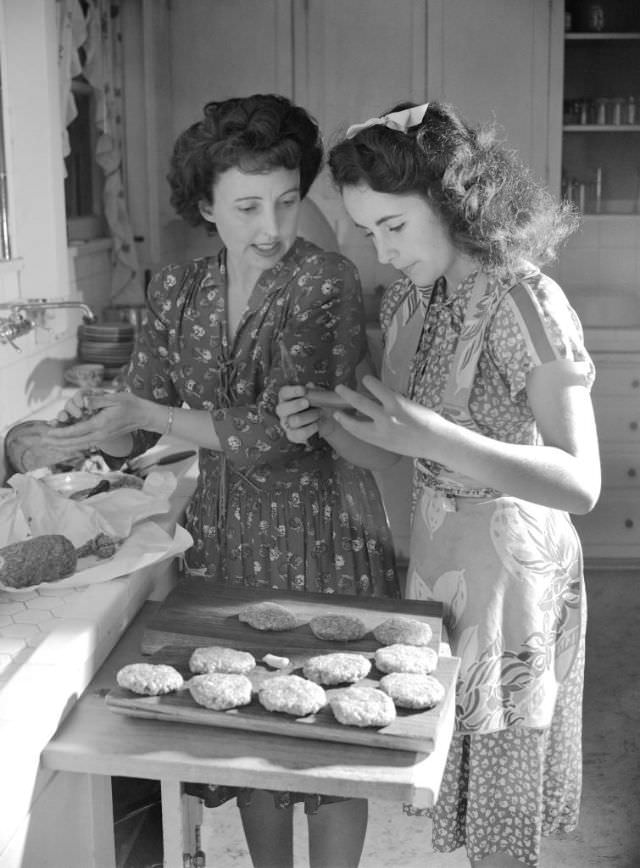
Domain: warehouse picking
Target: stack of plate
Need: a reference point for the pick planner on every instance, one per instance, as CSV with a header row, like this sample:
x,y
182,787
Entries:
x,y
106,343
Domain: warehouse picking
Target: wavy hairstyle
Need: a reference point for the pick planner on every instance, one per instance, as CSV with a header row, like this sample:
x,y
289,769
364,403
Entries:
x,y
256,133
493,208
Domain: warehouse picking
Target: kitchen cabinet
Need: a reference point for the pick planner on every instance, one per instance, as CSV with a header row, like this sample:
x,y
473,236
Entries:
x,y
601,114
344,60
612,529
495,63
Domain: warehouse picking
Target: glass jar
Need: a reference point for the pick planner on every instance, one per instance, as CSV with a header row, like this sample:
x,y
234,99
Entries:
x,y
595,17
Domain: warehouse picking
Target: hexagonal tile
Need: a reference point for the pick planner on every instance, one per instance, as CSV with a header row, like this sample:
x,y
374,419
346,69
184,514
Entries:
x,y
11,646
20,631
10,607
5,662
32,616
48,604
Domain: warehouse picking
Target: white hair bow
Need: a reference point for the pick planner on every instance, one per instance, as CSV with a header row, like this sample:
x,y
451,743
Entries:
x,y
401,120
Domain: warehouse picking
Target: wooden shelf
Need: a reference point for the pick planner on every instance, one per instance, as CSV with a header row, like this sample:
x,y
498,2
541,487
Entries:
x,y
601,128
600,36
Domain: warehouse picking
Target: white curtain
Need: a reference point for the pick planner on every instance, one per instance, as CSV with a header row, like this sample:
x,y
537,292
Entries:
x,y
72,32
102,43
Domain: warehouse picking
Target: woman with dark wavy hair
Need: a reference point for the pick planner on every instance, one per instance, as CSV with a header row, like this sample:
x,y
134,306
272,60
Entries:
x,y
223,334
486,385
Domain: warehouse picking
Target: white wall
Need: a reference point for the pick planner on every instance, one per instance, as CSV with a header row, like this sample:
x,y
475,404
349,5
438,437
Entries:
x,y
42,267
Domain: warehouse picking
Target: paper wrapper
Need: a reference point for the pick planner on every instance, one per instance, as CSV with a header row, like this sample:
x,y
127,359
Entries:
x,y
31,508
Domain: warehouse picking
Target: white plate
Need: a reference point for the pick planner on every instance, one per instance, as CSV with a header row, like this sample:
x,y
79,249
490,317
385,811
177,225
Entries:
x,y
67,484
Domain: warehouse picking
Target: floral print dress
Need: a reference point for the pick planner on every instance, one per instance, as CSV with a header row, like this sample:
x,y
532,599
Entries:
x,y
508,571
267,513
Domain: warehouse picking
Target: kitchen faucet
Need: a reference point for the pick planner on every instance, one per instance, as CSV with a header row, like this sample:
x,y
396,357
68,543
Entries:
x,y
27,313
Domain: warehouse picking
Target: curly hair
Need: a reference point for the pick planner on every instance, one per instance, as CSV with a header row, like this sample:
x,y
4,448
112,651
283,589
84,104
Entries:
x,y
256,133
495,211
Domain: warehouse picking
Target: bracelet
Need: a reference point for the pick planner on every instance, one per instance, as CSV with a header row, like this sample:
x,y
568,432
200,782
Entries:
x,y
167,430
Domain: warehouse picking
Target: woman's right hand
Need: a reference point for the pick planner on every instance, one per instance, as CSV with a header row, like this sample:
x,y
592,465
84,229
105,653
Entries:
x,y
76,407
299,420
95,417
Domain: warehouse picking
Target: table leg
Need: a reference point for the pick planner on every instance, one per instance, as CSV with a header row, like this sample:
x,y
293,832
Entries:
x,y
180,815
100,800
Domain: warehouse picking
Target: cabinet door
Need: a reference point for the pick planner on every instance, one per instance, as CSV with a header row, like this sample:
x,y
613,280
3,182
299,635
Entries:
x,y
612,530
353,60
194,51
228,48
492,60
356,58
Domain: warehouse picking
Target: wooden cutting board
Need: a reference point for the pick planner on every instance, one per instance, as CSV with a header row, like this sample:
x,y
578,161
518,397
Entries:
x,y
196,614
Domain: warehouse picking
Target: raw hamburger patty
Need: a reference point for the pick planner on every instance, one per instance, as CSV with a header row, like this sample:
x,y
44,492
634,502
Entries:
x,y
219,659
220,690
149,679
406,631
336,668
267,616
363,706
292,695
411,690
337,628
406,658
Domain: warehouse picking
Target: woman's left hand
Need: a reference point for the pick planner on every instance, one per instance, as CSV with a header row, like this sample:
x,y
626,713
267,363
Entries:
x,y
109,416
394,423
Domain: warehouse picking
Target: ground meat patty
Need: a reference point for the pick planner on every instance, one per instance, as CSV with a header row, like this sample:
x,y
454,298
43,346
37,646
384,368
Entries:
x,y
406,658
336,668
337,628
220,690
219,659
363,706
292,694
267,616
405,631
149,679
411,690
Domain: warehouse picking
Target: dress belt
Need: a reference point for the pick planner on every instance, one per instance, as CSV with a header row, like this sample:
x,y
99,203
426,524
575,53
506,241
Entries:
x,y
452,492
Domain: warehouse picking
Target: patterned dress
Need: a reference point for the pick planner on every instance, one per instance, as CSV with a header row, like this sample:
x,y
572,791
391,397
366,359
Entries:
x,y
508,571
267,513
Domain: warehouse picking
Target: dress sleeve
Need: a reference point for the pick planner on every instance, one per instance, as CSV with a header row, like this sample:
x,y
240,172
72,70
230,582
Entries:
x,y
149,370
534,324
320,339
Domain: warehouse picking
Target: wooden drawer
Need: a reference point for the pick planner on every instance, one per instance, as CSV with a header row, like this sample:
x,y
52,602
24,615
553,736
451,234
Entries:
x,y
621,469
617,376
613,527
618,419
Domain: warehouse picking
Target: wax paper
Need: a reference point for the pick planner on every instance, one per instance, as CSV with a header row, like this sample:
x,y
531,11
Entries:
x,y
30,508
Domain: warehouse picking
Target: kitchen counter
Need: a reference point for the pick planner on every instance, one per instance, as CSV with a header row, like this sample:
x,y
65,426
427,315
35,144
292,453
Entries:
x,y
52,642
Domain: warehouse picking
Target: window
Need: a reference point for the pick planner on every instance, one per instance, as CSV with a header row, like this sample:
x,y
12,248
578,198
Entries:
x,y
84,181
5,245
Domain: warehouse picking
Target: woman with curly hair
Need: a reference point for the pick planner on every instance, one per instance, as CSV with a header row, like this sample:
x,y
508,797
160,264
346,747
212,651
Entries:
x,y
223,334
486,385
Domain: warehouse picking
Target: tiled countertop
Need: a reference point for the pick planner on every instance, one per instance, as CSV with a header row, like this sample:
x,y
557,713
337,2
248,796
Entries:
x,y
51,644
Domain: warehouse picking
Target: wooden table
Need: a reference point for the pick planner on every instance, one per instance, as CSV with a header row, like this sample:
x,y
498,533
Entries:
x,y
96,742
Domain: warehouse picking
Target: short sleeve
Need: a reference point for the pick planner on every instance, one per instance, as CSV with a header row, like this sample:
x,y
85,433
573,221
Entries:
x,y
534,325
